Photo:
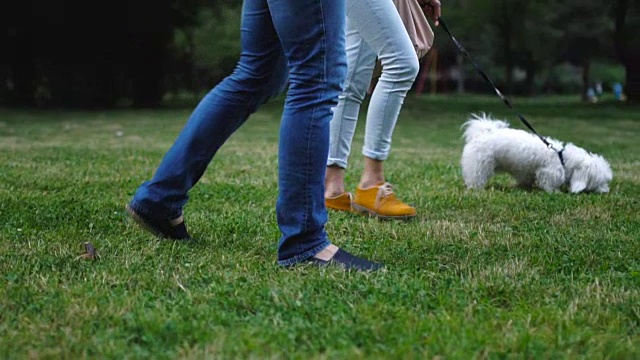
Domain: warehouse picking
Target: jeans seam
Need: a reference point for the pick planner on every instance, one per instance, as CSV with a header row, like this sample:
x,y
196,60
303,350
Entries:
x,y
311,122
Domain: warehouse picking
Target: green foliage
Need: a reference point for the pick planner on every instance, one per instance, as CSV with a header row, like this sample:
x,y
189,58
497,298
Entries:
x,y
561,78
501,273
533,37
587,31
607,72
206,47
217,41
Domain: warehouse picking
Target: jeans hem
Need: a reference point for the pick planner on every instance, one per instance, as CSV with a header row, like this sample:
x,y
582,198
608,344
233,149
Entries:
x,y
137,207
375,155
304,256
340,163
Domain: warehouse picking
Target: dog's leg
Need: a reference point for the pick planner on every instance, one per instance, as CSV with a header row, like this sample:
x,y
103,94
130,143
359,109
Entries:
x,y
550,179
477,168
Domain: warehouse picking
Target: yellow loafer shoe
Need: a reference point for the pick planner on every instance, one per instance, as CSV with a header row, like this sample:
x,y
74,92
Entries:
x,y
380,201
341,202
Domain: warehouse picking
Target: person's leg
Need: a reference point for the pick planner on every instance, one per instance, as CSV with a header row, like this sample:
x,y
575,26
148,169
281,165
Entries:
x,y
360,64
381,27
312,36
260,74
316,59
384,31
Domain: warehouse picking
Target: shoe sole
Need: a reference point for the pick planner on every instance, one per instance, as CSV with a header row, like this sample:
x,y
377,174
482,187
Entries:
x,y
366,211
341,210
140,221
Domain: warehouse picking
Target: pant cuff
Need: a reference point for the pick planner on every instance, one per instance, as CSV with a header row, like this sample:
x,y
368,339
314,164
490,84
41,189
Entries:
x,y
304,256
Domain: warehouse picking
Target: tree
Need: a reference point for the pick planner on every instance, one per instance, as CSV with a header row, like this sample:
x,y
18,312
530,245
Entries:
x,y
218,41
73,53
17,66
627,43
150,25
206,45
517,34
586,35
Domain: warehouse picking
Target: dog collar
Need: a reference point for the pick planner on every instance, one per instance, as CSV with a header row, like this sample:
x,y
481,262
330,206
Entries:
x,y
561,155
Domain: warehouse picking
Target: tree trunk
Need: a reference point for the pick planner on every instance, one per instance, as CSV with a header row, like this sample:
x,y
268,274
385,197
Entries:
x,y
148,40
627,47
23,83
586,66
619,37
530,80
508,74
460,66
632,90
506,30
23,73
147,77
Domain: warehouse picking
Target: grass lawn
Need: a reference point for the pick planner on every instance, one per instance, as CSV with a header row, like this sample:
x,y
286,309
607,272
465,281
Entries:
x,y
497,273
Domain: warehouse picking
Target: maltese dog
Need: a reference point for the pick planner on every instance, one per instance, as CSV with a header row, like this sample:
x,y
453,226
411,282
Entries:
x,y
491,146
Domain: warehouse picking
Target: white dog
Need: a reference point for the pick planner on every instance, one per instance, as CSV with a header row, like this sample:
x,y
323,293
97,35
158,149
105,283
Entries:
x,y
491,146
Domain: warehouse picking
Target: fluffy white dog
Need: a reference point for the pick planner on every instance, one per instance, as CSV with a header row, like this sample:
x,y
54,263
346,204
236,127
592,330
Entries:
x,y
491,146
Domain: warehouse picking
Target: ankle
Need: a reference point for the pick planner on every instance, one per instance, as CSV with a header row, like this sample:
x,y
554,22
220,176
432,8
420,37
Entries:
x,y
368,183
373,173
334,181
332,191
327,254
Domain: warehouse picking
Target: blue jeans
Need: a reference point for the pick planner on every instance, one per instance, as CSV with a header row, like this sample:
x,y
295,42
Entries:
x,y
299,40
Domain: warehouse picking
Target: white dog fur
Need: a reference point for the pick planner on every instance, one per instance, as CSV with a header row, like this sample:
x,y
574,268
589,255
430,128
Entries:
x,y
491,146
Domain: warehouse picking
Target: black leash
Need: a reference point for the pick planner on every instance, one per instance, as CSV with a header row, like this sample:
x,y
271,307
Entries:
x,y
495,88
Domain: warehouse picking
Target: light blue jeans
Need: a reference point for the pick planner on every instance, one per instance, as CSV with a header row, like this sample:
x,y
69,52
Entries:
x,y
299,40
374,29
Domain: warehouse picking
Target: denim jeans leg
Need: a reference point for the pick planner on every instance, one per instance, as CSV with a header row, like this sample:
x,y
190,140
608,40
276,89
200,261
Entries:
x,y
313,39
260,74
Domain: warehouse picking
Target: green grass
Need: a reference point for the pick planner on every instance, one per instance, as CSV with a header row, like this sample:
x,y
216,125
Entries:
x,y
492,274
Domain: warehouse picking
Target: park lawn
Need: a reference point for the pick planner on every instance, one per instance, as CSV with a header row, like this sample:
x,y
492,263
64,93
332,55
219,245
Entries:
x,y
496,273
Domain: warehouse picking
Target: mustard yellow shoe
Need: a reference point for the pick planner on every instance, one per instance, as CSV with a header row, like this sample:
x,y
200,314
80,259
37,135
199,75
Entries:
x,y
380,201
341,202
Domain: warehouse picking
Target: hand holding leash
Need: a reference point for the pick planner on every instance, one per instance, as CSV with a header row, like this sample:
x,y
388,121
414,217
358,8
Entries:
x,y
432,9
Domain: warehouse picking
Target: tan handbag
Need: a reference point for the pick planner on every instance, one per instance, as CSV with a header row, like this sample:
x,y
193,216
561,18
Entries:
x,y
417,26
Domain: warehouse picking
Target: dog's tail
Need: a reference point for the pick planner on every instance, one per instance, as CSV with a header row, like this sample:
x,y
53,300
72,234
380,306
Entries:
x,y
479,124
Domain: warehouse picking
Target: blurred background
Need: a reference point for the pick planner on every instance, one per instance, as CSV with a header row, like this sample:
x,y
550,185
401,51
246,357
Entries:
x,y
144,53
